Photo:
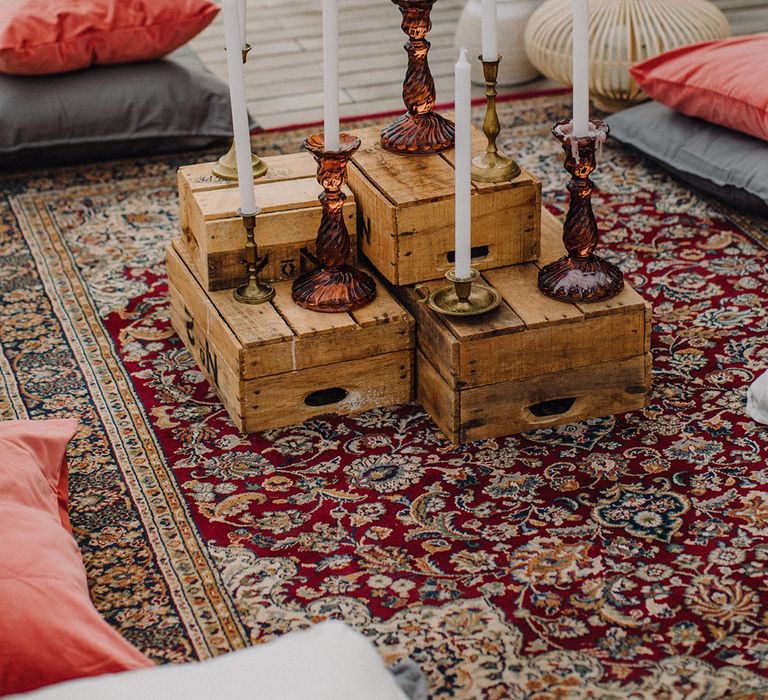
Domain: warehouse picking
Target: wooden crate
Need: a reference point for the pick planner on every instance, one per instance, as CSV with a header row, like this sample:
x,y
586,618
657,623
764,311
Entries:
x,y
406,213
534,362
275,365
214,238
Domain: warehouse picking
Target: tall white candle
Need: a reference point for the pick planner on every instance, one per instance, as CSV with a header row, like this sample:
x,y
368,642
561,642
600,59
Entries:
x,y
580,67
239,108
463,164
331,73
489,22
241,6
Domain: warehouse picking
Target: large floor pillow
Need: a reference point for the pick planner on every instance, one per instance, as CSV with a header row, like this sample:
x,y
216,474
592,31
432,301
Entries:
x,y
725,164
105,112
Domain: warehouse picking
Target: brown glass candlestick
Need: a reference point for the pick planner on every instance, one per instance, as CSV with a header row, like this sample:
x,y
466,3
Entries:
x,y
492,165
581,275
226,166
334,286
420,130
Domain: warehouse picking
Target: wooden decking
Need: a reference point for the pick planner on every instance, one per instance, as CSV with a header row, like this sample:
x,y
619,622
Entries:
x,y
284,73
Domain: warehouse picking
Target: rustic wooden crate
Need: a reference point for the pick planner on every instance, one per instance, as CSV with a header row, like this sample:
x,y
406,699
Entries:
x,y
406,213
534,362
214,238
275,365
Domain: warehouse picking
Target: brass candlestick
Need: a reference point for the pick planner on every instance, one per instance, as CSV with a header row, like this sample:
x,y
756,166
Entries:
x,y
335,286
492,166
463,297
226,166
420,130
581,275
253,291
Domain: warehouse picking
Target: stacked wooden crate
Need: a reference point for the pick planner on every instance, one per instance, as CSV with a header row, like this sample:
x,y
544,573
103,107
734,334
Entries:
x,y
533,362
276,364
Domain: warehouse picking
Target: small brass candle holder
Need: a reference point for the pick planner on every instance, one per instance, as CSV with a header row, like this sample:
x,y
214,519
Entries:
x,y
463,297
335,286
420,130
226,166
253,291
492,166
580,276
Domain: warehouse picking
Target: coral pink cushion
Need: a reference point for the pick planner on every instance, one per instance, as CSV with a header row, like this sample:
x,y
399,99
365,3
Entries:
x,y
722,82
38,37
49,629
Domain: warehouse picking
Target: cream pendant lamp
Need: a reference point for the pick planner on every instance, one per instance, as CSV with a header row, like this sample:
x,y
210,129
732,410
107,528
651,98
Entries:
x,y
622,33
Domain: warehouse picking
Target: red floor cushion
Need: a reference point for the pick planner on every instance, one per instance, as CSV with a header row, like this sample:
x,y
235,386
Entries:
x,y
721,82
49,629
39,37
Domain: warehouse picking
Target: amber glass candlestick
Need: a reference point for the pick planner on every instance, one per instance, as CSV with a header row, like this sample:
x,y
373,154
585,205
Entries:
x,y
581,275
492,166
334,286
420,130
226,166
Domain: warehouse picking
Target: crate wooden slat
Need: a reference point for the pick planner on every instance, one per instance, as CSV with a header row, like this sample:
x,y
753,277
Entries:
x,y
534,362
213,235
273,365
406,213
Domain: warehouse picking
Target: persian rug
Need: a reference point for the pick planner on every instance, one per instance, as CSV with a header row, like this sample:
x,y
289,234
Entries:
x,y
623,556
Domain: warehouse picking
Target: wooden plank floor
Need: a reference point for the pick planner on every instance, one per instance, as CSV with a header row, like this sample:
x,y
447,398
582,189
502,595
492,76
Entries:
x,y
284,72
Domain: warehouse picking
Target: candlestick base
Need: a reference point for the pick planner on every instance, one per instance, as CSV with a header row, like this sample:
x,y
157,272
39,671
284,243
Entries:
x,y
418,134
226,166
333,290
581,279
494,167
463,297
254,292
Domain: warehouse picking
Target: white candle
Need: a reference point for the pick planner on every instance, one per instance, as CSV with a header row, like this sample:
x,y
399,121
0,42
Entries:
x,y
241,6
239,108
580,67
463,164
488,23
331,73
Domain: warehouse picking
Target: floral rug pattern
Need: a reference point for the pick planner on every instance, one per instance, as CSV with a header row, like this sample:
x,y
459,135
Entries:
x,y
617,557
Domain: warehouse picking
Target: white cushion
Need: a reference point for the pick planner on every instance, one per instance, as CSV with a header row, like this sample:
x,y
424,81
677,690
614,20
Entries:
x,y
757,400
327,662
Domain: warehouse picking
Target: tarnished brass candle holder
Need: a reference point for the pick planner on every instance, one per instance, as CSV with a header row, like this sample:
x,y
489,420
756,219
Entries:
x,y
420,130
463,297
492,166
580,275
226,166
334,286
253,291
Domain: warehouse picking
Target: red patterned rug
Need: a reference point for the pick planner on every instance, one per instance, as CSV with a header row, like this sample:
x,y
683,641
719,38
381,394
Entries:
x,y
621,556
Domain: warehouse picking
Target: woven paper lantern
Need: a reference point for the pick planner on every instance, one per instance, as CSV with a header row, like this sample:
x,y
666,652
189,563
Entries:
x,y
621,33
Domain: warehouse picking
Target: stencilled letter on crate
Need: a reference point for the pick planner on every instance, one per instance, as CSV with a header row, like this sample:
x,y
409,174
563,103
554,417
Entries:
x,y
202,348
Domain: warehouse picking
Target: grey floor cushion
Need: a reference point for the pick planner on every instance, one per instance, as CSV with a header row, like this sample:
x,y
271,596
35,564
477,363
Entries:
x,y
728,165
174,104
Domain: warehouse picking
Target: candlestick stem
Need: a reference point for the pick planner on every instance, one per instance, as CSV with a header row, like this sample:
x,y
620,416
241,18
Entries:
x,y
226,166
580,276
492,166
253,291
